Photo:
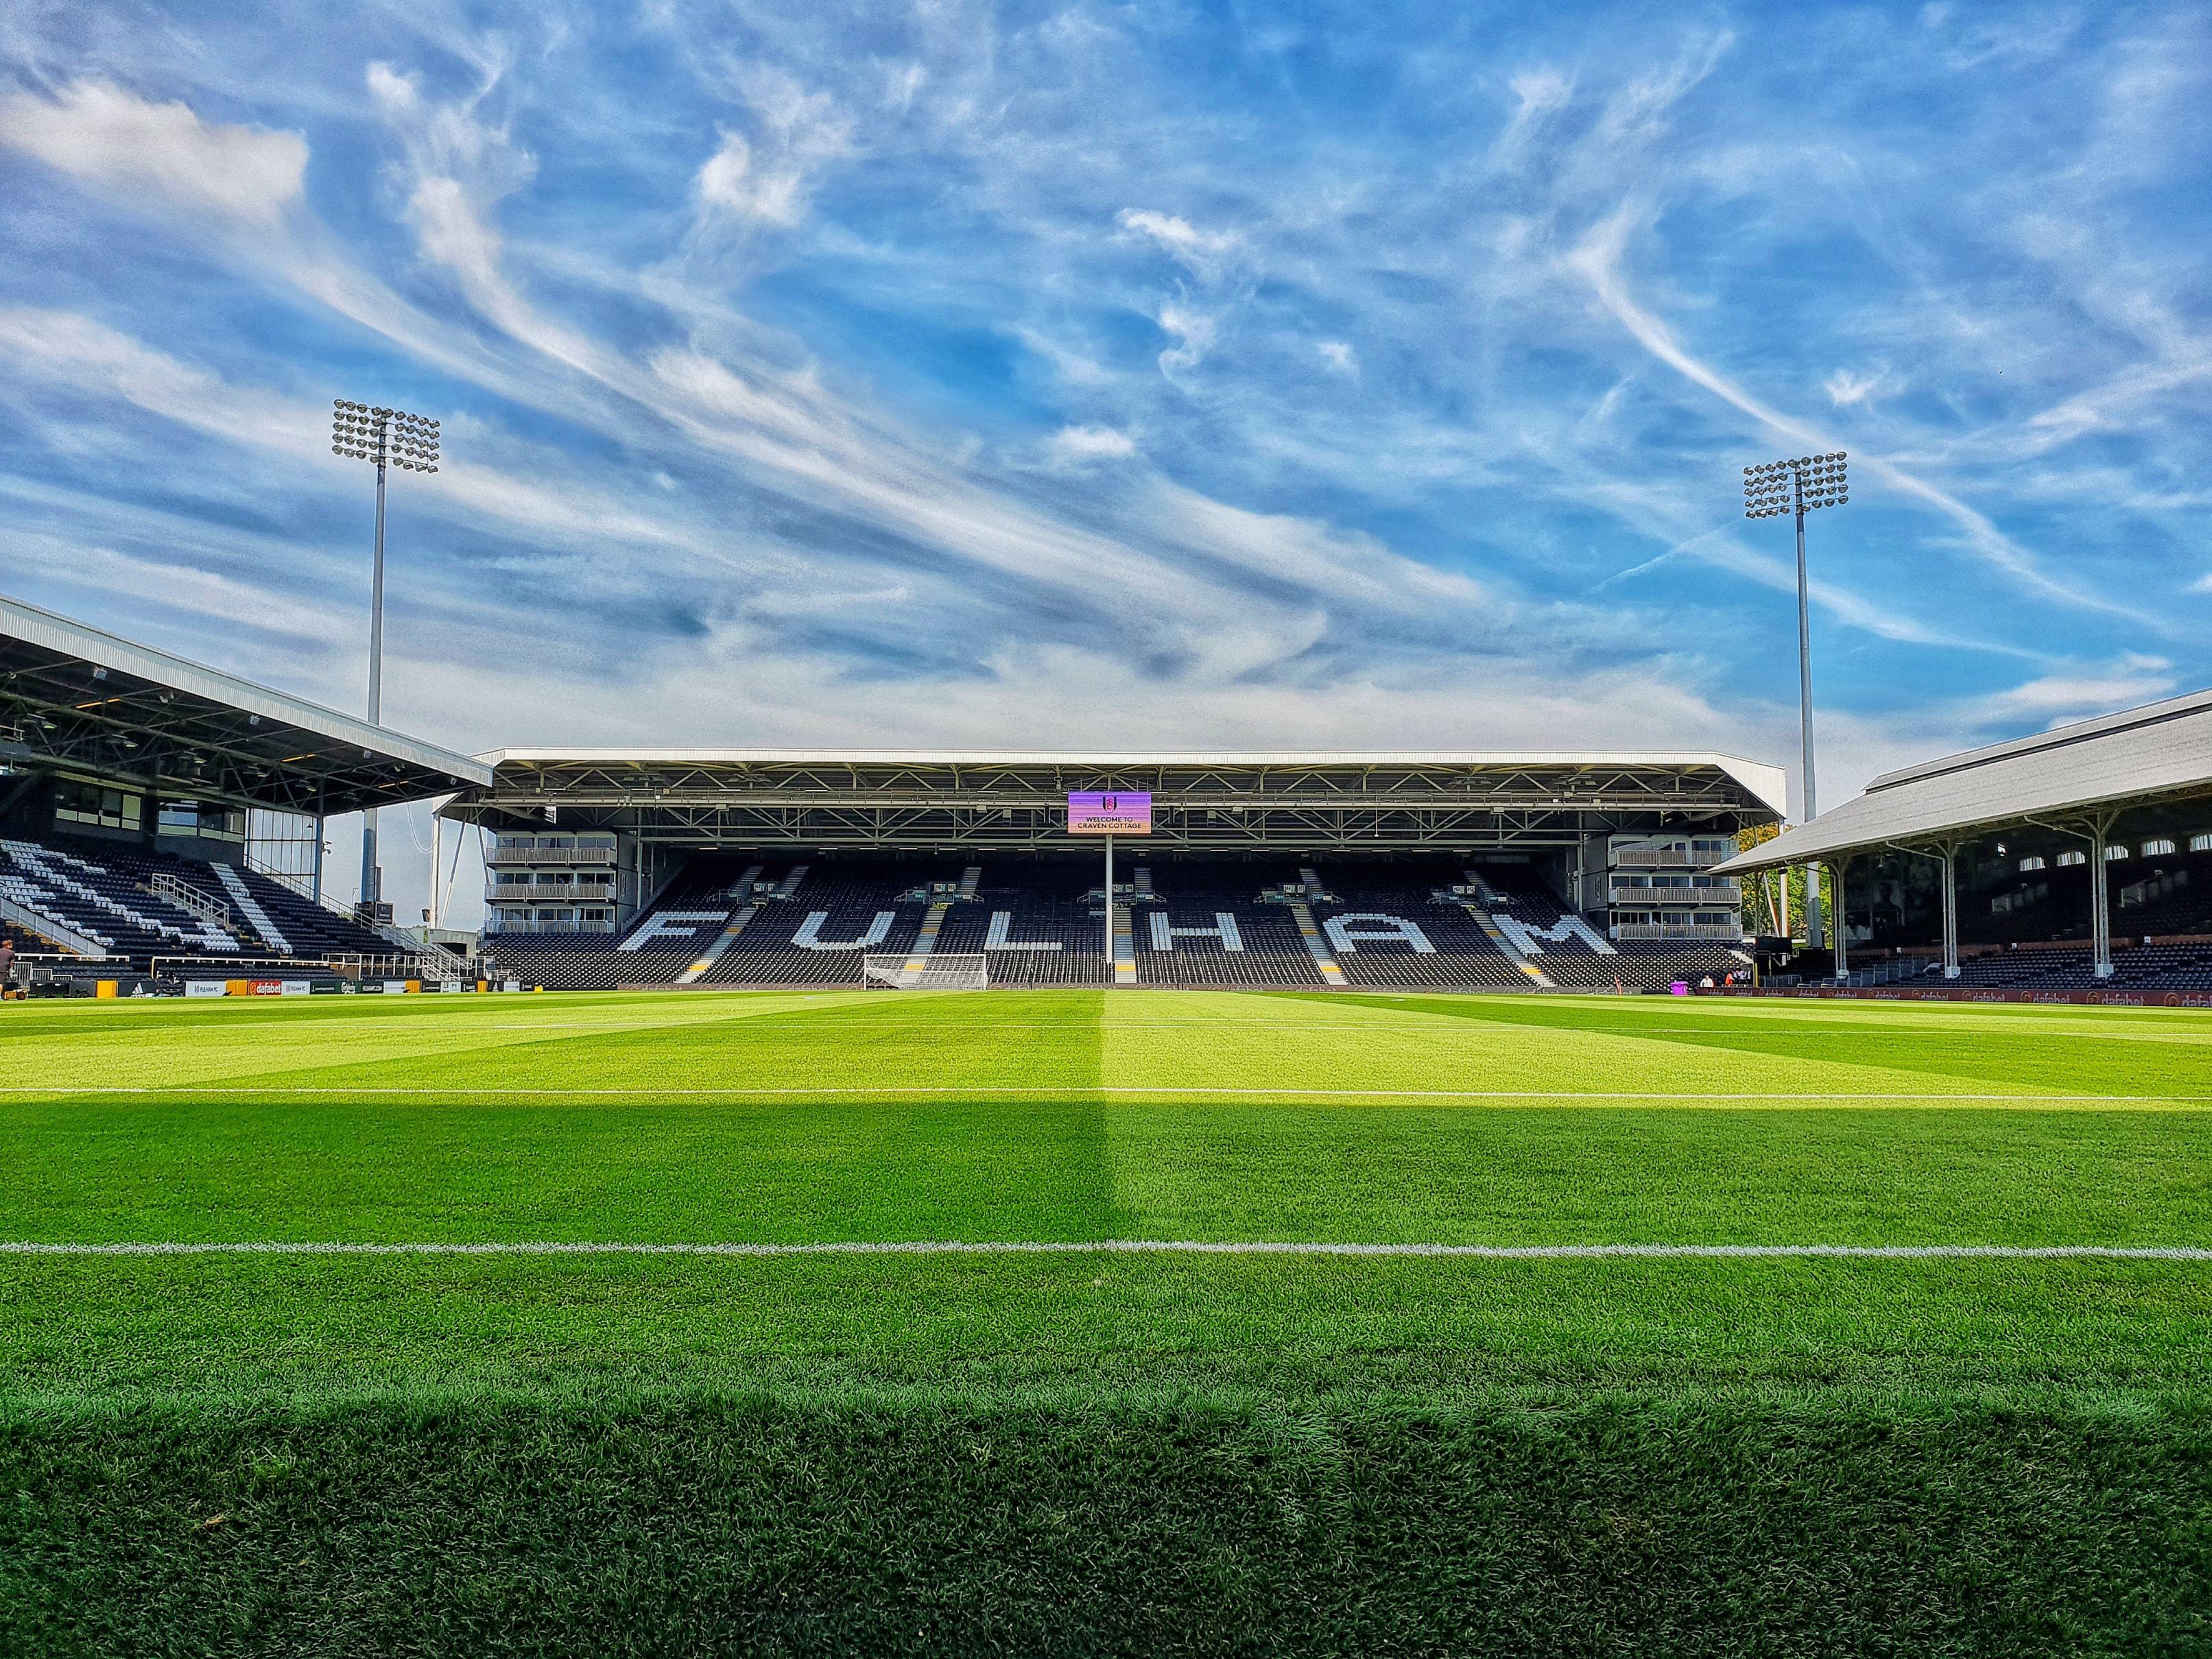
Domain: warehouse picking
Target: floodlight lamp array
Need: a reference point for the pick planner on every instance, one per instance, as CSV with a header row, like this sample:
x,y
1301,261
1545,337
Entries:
x,y
1799,485
360,433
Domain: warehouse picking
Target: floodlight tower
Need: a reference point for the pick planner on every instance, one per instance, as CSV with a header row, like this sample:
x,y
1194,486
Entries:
x,y
1769,491
386,437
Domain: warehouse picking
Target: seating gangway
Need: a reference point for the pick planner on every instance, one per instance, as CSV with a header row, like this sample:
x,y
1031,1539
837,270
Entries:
x,y
748,907
1125,943
1316,944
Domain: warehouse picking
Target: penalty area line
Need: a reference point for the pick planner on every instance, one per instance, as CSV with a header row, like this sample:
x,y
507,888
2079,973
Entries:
x,y
1139,1247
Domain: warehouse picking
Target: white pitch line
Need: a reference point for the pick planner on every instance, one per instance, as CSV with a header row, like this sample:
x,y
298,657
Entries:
x,y
1143,1247
1287,1091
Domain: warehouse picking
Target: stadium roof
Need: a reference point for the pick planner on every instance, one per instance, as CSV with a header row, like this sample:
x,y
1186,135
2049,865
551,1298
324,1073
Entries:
x,y
1766,783
2142,757
77,700
1213,800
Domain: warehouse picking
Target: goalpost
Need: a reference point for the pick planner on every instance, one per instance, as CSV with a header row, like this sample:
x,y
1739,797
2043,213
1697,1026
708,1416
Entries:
x,y
930,973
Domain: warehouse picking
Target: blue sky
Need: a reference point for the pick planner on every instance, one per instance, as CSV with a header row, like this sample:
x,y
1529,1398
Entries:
x,y
1186,375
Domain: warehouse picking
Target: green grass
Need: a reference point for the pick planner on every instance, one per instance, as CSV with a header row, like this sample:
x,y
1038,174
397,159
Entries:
x,y
1509,1402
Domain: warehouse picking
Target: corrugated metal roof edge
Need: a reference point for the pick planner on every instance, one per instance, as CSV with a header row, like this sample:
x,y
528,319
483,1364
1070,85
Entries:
x,y
1806,841
38,626
2058,737
1765,784
1834,831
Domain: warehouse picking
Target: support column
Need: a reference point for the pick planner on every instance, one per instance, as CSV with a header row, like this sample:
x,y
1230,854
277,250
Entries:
x,y
1950,857
1839,920
2100,916
1106,910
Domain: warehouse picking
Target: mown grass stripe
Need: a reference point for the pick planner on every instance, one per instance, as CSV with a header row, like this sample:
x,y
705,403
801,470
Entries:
x,y
1130,1246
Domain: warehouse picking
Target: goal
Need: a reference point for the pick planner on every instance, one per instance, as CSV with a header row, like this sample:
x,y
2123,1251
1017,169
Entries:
x,y
932,973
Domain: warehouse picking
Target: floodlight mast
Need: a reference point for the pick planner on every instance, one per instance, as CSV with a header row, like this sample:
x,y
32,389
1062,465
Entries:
x,y
386,437
1799,487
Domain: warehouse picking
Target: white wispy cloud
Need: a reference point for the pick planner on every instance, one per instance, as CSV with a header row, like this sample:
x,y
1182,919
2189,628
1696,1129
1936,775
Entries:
x,y
1597,259
1193,330
158,153
1079,446
1204,253
767,179
2077,692
1844,387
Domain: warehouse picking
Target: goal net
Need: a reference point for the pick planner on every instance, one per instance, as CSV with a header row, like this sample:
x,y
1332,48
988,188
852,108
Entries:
x,y
934,973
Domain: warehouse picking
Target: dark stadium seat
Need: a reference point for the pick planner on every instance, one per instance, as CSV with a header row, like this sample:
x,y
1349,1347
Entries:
x,y
1038,921
106,890
1046,902
841,912
1463,958
1181,939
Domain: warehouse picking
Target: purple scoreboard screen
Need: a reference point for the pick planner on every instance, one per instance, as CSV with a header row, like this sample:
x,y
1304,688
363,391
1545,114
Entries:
x,y
1109,814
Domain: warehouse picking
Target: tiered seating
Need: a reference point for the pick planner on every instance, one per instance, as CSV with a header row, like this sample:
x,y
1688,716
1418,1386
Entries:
x,y
98,892
304,927
2045,904
1463,958
1045,901
841,913
1562,954
1654,967
846,908
661,943
290,923
559,962
2165,895
2163,968
1257,949
24,941
1571,961
2136,967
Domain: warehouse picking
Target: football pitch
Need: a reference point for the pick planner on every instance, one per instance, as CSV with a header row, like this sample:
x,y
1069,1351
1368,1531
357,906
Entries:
x,y
264,1259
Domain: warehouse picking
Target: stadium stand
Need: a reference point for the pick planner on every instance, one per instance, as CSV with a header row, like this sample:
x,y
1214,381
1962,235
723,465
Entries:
x,y
816,928
1038,921
654,949
137,904
1206,925
1573,953
1377,922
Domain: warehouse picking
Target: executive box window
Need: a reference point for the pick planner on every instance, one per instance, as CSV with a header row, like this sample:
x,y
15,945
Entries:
x,y
87,803
202,818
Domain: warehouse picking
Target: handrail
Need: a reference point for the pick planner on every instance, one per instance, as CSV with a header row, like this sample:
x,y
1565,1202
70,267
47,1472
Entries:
x,y
343,965
539,892
48,927
173,890
447,965
1663,858
571,857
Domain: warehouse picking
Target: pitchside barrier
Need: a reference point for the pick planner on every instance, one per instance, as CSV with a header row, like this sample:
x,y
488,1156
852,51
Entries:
x,y
925,973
